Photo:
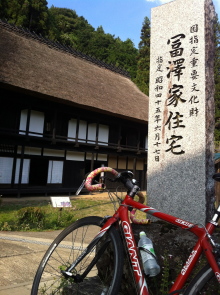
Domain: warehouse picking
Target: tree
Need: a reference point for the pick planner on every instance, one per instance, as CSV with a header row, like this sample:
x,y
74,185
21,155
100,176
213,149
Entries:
x,y
68,28
124,55
65,26
100,44
143,59
31,14
37,17
4,9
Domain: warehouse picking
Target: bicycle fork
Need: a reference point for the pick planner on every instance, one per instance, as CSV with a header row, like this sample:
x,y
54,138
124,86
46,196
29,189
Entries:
x,y
79,278
132,250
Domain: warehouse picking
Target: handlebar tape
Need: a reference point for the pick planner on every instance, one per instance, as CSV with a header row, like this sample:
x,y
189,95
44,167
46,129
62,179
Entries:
x,y
99,186
133,212
136,220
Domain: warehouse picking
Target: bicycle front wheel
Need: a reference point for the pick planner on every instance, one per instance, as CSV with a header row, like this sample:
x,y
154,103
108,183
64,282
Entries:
x,y
204,283
102,264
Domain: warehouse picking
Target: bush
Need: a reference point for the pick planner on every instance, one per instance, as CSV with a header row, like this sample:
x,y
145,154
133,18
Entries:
x,y
58,218
31,217
38,216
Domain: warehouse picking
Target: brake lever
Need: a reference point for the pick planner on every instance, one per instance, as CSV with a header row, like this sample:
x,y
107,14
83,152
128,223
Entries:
x,y
80,188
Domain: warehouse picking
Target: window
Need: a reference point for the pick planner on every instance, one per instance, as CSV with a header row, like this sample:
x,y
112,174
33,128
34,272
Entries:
x,y
103,132
25,171
72,129
6,165
36,123
82,131
55,172
92,133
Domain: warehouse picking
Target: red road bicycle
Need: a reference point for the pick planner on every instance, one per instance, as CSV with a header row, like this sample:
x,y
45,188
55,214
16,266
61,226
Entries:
x,y
87,257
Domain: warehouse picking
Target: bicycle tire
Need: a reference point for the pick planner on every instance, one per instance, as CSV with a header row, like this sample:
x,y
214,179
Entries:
x,y
204,283
105,276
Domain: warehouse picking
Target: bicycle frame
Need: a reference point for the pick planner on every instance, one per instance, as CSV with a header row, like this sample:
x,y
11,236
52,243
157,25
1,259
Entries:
x,y
203,243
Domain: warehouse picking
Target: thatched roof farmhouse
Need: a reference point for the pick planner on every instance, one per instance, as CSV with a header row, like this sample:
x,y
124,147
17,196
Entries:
x,y
39,80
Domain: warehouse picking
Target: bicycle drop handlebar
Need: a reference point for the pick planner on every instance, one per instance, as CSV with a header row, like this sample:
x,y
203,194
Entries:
x,y
123,177
100,186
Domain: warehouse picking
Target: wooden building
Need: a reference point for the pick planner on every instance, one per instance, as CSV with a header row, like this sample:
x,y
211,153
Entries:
x,y
63,114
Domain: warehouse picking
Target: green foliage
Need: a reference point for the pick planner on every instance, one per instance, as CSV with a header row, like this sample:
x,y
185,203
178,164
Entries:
x,y
30,217
65,26
4,9
74,31
31,14
143,59
165,281
35,216
58,218
40,218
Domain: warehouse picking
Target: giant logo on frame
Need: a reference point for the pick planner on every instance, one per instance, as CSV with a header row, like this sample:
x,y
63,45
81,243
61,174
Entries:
x,y
134,256
131,249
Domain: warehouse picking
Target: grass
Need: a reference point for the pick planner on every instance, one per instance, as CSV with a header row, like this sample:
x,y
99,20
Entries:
x,y
40,215
22,215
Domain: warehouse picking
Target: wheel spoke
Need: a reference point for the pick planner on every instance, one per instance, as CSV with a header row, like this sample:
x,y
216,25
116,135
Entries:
x,y
51,278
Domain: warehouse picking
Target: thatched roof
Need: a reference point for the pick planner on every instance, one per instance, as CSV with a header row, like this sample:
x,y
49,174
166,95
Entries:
x,y
32,65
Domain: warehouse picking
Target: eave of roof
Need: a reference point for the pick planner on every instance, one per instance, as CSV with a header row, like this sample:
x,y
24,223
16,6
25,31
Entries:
x,y
29,64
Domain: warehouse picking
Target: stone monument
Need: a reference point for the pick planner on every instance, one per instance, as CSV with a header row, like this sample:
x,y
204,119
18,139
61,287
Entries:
x,y
181,110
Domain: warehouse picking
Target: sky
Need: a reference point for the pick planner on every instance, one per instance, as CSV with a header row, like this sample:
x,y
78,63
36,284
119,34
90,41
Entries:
x,y
121,18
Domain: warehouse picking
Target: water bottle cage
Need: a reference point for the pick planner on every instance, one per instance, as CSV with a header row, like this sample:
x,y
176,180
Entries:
x,y
145,250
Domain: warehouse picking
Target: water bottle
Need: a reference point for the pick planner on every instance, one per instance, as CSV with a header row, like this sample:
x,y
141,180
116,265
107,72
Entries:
x,y
151,267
